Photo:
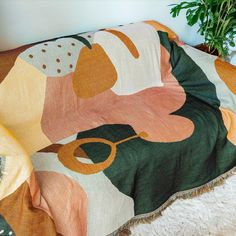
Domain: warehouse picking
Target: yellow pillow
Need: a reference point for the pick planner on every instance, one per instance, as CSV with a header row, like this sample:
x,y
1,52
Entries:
x,y
15,163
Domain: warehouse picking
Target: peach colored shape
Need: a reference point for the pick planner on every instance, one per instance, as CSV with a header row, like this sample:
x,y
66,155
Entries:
x,y
229,119
148,110
227,73
63,199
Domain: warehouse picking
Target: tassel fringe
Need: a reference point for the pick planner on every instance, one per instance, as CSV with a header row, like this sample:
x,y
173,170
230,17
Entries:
x,y
187,194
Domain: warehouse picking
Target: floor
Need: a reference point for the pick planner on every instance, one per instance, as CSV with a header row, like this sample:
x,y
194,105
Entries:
x,y
212,213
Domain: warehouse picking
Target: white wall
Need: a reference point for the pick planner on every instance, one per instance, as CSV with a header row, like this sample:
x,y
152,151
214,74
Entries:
x,y
27,21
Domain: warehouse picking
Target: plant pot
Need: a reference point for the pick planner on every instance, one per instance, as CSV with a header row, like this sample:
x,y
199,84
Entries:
x,y
204,47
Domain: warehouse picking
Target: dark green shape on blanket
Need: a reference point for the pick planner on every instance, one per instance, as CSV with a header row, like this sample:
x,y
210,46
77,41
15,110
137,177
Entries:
x,y
152,172
5,228
81,39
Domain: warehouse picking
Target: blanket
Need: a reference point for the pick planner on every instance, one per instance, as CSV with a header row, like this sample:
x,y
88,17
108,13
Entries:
x,y
103,130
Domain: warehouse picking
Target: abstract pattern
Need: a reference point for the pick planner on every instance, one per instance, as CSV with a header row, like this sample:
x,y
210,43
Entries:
x,y
133,52
85,82
59,57
170,97
211,67
99,190
67,158
117,122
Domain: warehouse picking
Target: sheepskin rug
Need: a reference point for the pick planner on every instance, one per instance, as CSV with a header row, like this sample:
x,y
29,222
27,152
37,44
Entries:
x,y
212,213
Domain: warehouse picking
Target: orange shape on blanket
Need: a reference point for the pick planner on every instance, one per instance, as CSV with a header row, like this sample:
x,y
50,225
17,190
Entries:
x,y
158,26
94,72
150,110
229,119
23,217
68,159
127,41
227,73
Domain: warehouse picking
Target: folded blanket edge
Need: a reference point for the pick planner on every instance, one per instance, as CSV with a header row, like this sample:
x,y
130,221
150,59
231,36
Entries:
x,y
148,218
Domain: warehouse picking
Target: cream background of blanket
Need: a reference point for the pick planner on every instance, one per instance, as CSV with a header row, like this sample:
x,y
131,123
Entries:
x,y
134,74
104,214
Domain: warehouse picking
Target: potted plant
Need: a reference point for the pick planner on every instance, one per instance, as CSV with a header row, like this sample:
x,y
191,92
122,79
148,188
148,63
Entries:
x,y
217,22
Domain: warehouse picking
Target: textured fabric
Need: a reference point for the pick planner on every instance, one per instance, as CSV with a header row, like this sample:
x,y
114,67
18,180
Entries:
x,y
7,60
213,213
118,123
58,191
23,218
16,163
5,227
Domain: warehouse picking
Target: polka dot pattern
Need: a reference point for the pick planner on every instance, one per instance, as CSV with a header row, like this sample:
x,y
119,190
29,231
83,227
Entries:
x,y
56,58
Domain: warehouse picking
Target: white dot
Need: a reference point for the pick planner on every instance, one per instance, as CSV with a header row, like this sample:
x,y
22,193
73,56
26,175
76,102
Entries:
x,y
2,231
10,233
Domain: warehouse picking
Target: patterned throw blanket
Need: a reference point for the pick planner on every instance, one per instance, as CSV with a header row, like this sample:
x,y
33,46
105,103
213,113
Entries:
x,y
103,130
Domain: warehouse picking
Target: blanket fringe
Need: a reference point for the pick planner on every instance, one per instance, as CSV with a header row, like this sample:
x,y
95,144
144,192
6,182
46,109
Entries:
x,y
187,194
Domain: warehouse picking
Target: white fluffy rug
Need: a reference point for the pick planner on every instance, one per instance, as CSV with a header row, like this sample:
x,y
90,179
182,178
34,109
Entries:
x,y
212,213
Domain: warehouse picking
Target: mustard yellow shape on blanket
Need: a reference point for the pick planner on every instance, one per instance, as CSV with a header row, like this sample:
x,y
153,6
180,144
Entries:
x,y
22,95
18,165
229,119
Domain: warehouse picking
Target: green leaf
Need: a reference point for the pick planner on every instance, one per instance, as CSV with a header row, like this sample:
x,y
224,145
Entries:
x,y
216,18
